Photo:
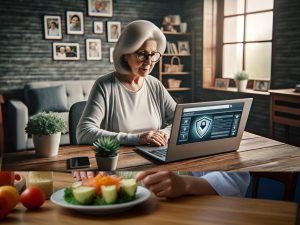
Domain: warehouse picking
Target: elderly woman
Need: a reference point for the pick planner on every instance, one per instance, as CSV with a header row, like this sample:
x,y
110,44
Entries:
x,y
127,104
136,109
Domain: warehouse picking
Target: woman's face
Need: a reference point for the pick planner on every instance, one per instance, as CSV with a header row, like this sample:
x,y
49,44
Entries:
x,y
142,68
75,21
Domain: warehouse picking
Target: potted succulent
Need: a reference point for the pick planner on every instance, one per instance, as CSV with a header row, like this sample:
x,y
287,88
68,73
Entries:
x,y
107,153
241,80
46,129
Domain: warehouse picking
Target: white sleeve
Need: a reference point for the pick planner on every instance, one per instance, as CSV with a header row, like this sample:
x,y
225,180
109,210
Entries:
x,y
227,183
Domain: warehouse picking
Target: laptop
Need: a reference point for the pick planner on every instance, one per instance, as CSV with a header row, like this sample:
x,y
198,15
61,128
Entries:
x,y
201,129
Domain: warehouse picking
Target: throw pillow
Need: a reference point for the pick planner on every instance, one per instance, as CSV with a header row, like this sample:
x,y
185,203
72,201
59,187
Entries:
x,y
47,99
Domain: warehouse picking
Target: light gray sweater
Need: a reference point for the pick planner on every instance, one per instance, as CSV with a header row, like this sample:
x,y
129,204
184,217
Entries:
x,y
99,116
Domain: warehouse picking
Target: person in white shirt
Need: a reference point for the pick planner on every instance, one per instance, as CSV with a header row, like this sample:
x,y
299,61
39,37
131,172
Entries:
x,y
53,31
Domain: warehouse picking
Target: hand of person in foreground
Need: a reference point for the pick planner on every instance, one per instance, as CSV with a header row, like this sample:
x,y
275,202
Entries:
x,y
156,138
167,184
81,175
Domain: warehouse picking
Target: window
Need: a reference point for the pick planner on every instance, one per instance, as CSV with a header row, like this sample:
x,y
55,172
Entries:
x,y
247,38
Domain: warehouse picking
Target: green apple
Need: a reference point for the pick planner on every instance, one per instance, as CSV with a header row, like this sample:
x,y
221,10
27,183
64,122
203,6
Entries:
x,y
129,186
109,193
84,195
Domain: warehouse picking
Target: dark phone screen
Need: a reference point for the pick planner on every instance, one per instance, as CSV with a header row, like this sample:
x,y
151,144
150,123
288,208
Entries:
x,y
78,162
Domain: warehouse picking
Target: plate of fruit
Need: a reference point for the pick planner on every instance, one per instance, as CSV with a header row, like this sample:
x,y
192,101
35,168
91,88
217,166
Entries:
x,y
101,195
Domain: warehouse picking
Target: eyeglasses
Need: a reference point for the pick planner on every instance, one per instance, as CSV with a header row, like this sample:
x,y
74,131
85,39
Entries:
x,y
143,56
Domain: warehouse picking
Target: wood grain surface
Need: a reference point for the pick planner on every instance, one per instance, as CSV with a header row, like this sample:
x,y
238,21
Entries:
x,y
185,210
256,153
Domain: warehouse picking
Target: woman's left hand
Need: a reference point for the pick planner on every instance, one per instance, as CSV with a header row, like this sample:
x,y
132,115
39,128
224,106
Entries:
x,y
163,184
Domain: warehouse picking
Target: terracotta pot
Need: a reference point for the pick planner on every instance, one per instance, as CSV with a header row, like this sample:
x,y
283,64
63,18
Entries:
x,y
107,163
241,85
46,145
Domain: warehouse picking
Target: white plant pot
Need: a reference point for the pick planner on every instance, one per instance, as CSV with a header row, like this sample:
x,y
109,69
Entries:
x,y
241,85
107,163
46,145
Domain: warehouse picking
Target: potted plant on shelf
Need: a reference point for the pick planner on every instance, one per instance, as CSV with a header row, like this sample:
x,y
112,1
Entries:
x,y
46,129
241,80
106,153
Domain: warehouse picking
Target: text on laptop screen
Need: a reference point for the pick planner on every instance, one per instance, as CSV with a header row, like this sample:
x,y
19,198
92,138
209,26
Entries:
x,y
209,122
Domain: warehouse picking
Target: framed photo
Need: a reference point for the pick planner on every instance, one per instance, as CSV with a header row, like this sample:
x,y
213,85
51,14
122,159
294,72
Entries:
x,y
66,51
113,31
183,47
75,22
222,83
261,85
111,52
98,27
52,27
93,49
103,8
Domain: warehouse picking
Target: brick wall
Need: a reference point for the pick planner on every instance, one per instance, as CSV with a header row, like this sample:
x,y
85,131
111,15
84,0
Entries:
x,y
26,56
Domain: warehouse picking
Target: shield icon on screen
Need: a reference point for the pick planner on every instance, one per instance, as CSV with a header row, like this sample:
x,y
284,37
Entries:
x,y
202,126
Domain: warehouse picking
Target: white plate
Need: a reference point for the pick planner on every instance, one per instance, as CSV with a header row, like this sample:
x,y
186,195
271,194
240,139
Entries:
x,y
142,194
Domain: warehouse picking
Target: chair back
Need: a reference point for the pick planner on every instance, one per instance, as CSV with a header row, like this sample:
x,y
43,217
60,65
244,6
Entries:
x,y
74,117
288,179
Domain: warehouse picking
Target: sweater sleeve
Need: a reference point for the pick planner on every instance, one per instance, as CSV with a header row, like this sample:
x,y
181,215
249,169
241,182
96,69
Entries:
x,y
88,129
227,183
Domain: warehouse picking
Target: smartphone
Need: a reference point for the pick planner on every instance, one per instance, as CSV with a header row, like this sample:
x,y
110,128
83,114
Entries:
x,y
78,162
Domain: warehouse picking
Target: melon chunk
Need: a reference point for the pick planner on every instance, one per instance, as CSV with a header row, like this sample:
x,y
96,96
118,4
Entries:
x,y
129,186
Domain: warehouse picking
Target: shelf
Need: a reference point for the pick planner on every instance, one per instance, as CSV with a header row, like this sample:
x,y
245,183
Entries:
x,y
176,73
179,89
177,55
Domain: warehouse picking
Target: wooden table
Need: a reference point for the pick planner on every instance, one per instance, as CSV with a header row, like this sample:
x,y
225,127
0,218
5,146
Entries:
x,y
284,109
256,153
185,210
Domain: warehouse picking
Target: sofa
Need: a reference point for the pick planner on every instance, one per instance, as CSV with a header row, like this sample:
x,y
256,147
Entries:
x,y
55,96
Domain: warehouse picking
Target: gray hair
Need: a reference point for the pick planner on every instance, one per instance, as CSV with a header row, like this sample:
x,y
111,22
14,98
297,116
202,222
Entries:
x,y
132,38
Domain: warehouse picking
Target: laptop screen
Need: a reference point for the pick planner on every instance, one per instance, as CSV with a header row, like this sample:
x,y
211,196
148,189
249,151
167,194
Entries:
x,y
209,122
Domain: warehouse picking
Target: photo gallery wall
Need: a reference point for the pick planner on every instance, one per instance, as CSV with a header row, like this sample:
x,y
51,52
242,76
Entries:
x,y
75,26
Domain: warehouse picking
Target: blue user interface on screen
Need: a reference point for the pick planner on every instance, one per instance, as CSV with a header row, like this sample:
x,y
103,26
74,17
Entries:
x,y
209,122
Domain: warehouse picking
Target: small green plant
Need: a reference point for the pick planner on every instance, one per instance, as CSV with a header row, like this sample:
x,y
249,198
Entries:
x,y
106,147
45,123
242,75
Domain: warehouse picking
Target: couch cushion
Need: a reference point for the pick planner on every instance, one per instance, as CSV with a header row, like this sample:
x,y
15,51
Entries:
x,y
47,99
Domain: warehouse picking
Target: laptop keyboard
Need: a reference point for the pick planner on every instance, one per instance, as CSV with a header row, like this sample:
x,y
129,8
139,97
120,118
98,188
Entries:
x,y
162,153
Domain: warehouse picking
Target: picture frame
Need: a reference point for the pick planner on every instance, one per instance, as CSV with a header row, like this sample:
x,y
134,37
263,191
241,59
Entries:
x,y
261,85
111,54
113,31
222,83
98,27
75,23
93,49
66,51
183,47
101,8
52,27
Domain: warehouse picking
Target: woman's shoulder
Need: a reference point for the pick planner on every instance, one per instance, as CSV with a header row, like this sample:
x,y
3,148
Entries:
x,y
105,79
153,80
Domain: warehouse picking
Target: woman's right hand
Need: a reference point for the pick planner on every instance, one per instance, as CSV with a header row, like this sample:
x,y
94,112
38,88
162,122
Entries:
x,y
157,138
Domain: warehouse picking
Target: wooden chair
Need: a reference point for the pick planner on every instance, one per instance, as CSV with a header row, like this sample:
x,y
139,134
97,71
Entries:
x,y
289,179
